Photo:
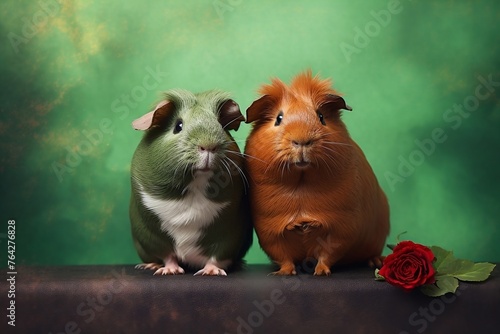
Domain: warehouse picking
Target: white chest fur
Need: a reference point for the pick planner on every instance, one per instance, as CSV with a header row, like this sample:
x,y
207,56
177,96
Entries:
x,y
184,219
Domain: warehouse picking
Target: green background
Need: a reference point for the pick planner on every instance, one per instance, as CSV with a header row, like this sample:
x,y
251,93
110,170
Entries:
x,y
82,69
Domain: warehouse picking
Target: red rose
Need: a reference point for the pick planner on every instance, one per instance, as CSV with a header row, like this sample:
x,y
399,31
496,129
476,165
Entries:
x,y
409,266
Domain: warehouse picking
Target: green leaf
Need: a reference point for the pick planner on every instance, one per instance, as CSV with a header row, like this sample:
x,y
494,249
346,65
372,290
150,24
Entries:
x,y
432,290
391,246
454,267
442,256
447,283
477,273
443,285
378,277
465,270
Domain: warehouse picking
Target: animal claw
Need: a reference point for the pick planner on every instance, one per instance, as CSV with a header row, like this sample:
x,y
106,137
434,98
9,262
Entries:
x,y
210,270
151,266
170,269
283,273
322,269
322,273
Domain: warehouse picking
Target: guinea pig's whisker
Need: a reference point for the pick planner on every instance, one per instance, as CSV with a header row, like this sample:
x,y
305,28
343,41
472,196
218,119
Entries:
x,y
285,159
237,141
277,161
278,167
330,149
283,166
249,156
335,162
227,167
178,169
287,166
267,168
229,142
234,152
235,119
240,172
336,143
327,165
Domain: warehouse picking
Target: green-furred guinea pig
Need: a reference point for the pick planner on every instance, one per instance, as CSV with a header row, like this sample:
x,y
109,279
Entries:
x,y
188,206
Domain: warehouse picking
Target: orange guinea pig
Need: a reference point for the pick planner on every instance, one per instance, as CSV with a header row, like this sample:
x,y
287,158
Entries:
x,y
313,193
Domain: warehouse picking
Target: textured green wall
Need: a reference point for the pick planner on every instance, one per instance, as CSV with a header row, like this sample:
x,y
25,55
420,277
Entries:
x,y
74,74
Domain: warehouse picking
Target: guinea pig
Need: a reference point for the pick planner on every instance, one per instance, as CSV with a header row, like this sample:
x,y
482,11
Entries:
x,y
313,195
188,204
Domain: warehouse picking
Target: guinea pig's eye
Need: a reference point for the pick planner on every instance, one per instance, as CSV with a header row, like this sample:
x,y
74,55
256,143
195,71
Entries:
x,y
279,119
321,118
178,126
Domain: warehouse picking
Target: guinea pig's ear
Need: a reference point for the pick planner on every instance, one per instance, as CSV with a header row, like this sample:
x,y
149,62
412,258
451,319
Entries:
x,y
334,103
230,115
258,106
155,117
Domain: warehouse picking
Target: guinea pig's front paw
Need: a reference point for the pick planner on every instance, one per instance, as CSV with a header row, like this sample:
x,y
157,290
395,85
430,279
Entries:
x,y
170,269
322,270
210,270
150,266
302,227
286,269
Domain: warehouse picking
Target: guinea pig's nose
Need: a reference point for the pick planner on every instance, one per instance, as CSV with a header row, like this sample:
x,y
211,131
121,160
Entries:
x,y
299,143
209,148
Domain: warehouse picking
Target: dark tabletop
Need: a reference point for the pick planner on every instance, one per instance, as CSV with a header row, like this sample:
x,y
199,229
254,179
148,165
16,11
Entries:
x,y
121,299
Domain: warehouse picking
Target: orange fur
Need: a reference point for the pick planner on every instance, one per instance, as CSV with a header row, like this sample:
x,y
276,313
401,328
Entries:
x,y
328,207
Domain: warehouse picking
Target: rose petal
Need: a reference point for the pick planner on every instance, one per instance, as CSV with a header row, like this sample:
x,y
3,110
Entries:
x,y
409,266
